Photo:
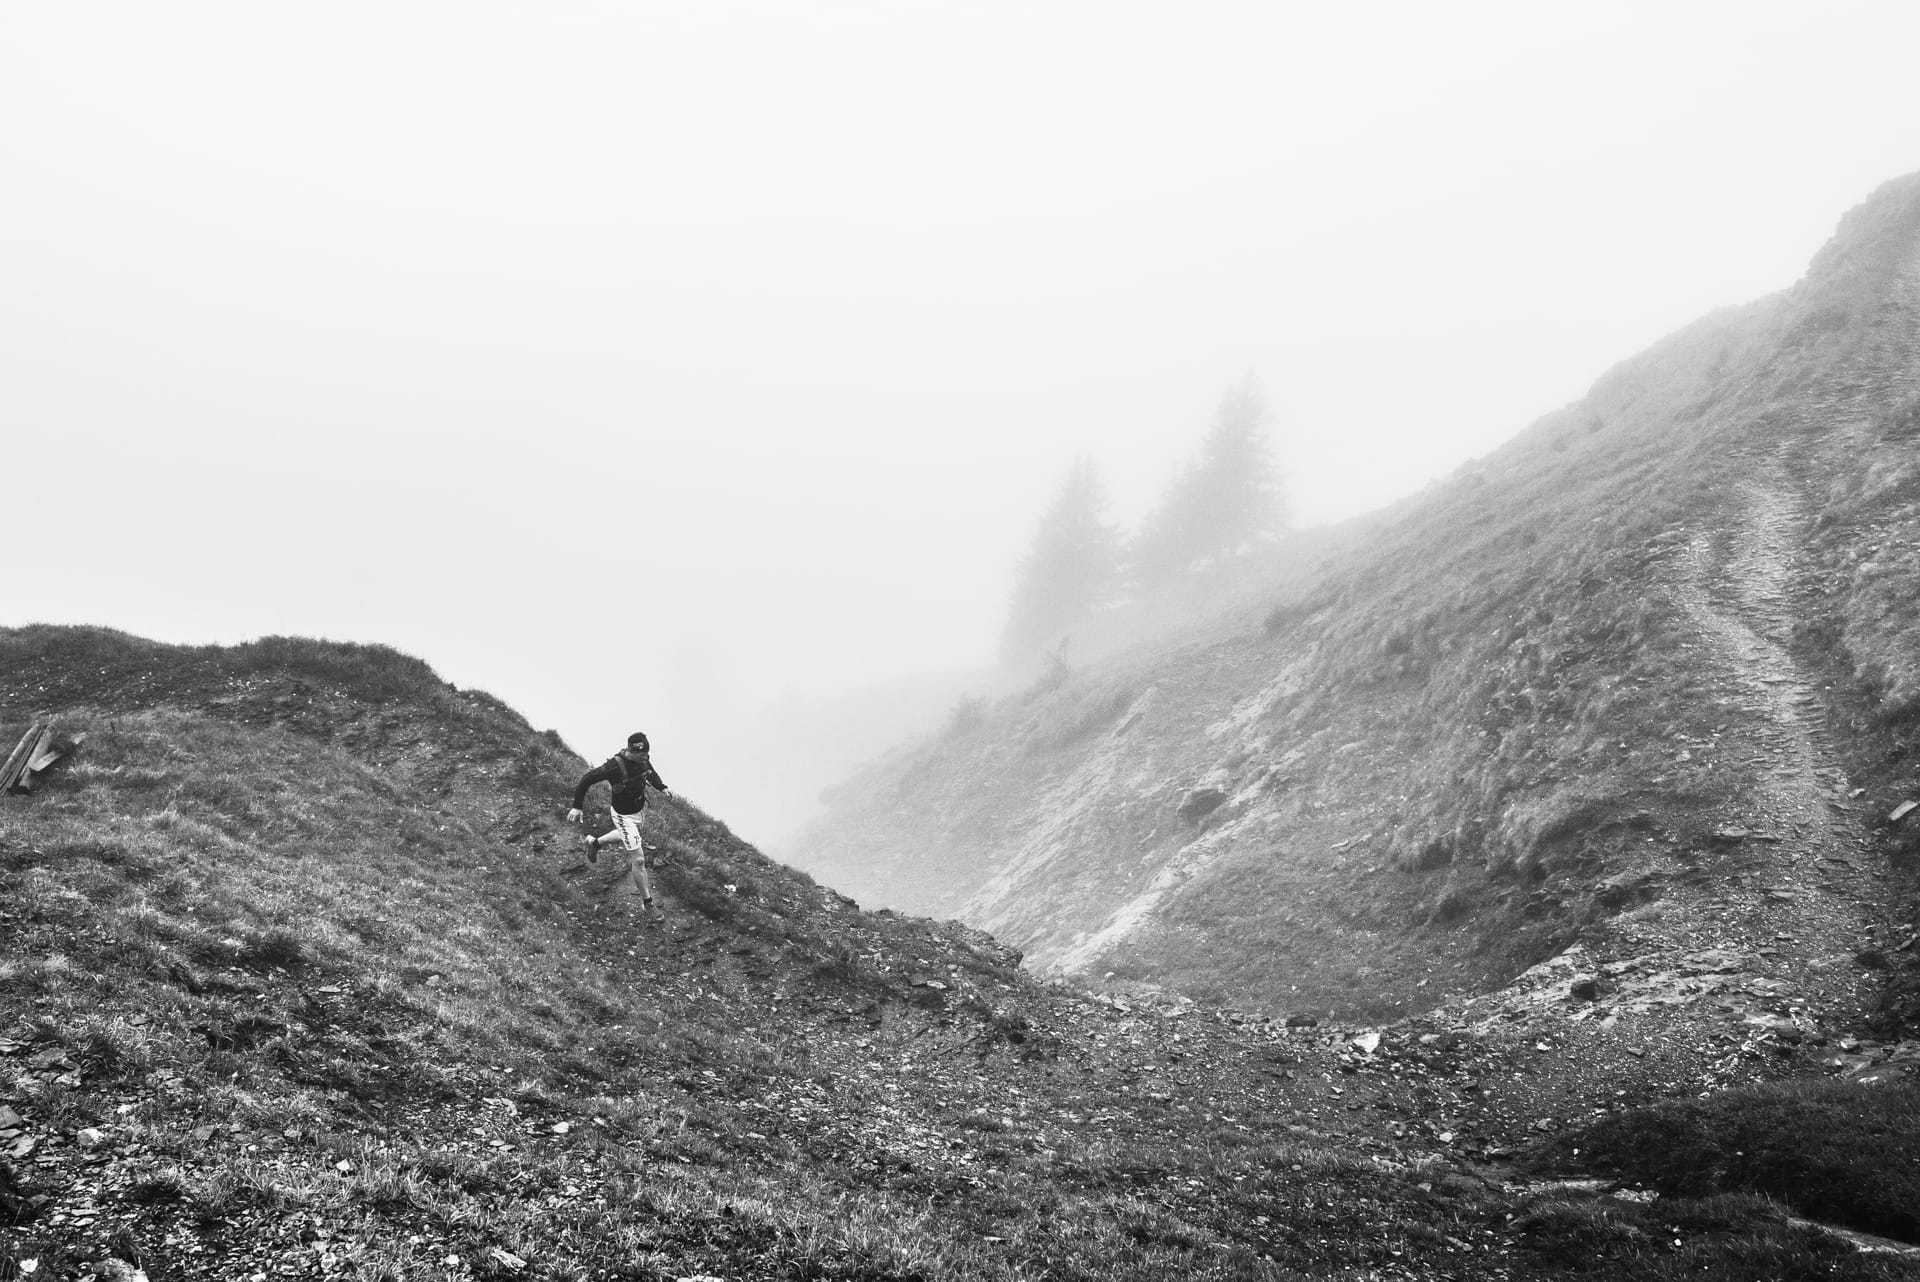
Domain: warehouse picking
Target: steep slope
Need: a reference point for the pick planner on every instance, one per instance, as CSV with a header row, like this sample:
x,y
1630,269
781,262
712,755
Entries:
x,y
300,976
1643,675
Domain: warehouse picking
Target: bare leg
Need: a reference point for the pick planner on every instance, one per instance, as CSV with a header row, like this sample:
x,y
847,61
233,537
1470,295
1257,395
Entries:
x,y
636,874
627,828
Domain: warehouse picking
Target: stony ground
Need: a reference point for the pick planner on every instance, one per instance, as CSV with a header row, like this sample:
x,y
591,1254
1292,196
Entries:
x,y
1301,1151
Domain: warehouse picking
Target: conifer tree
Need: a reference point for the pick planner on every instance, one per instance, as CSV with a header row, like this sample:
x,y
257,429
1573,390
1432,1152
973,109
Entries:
x,y
1222,502
1072,570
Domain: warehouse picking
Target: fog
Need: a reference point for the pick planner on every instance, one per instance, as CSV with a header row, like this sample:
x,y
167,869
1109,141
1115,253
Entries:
x,y
685,367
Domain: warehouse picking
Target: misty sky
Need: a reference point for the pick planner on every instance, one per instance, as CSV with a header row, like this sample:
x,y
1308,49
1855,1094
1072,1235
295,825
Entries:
x,y
642,363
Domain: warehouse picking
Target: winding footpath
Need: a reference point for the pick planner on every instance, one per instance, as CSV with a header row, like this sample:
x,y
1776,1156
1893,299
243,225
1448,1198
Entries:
x,y
1796,877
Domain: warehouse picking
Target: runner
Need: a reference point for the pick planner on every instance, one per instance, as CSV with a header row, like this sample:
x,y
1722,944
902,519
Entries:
x,y
628,772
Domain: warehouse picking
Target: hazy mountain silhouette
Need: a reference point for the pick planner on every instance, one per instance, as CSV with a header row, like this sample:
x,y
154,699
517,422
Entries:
x,y
1650,668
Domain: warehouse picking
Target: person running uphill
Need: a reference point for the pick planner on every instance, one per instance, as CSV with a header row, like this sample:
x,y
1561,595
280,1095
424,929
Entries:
x,y
629,772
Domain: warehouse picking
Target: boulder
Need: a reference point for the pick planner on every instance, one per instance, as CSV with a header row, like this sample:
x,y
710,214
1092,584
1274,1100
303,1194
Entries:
x,y
1201,802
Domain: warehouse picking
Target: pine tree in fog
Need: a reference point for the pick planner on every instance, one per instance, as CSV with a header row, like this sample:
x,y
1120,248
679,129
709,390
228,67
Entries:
x,y
1072,570
1222,502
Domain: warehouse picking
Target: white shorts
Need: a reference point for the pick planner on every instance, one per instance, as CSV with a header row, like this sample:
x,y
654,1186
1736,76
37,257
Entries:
x,y
628,826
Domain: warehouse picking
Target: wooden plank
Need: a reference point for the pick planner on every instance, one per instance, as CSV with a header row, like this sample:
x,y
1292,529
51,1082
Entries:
x,y
53,749
20,757
41,746
10,772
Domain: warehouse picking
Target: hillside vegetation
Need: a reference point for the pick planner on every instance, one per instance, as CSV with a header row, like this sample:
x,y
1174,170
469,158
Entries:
x,y
303,977
1650,667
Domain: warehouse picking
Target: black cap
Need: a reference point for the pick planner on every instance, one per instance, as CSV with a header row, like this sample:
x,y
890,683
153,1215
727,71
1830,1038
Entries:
x,y
637,740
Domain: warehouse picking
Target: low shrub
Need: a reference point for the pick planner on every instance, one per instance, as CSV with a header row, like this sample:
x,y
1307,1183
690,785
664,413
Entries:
x,y
276,946
966,716
1725,1238
1833,1151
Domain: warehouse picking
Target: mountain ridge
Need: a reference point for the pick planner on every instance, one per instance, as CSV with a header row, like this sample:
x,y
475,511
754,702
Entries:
x,y
1434,765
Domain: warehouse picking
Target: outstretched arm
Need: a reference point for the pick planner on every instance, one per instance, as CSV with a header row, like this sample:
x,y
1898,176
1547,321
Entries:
x,y
587,780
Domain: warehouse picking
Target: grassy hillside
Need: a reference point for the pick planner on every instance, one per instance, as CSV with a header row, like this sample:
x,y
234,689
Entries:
x,y
1530,706
303,977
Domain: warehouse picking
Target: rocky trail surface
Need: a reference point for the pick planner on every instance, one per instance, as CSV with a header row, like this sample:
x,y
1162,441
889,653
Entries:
x,y
1800,883
1763,944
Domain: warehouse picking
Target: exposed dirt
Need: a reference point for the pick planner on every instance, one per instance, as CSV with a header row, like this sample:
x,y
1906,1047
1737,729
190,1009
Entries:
x,y
1796,871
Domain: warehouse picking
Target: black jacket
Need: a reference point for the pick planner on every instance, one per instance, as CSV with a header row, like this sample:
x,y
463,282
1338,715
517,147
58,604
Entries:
x,y
629,779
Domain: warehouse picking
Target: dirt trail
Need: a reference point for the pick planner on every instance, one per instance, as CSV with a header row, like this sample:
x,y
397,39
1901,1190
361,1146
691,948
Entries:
x,y
1817,876
1756,939
1804,882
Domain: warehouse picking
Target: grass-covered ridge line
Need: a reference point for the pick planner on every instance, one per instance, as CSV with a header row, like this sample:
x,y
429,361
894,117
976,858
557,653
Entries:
x,y
370,673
